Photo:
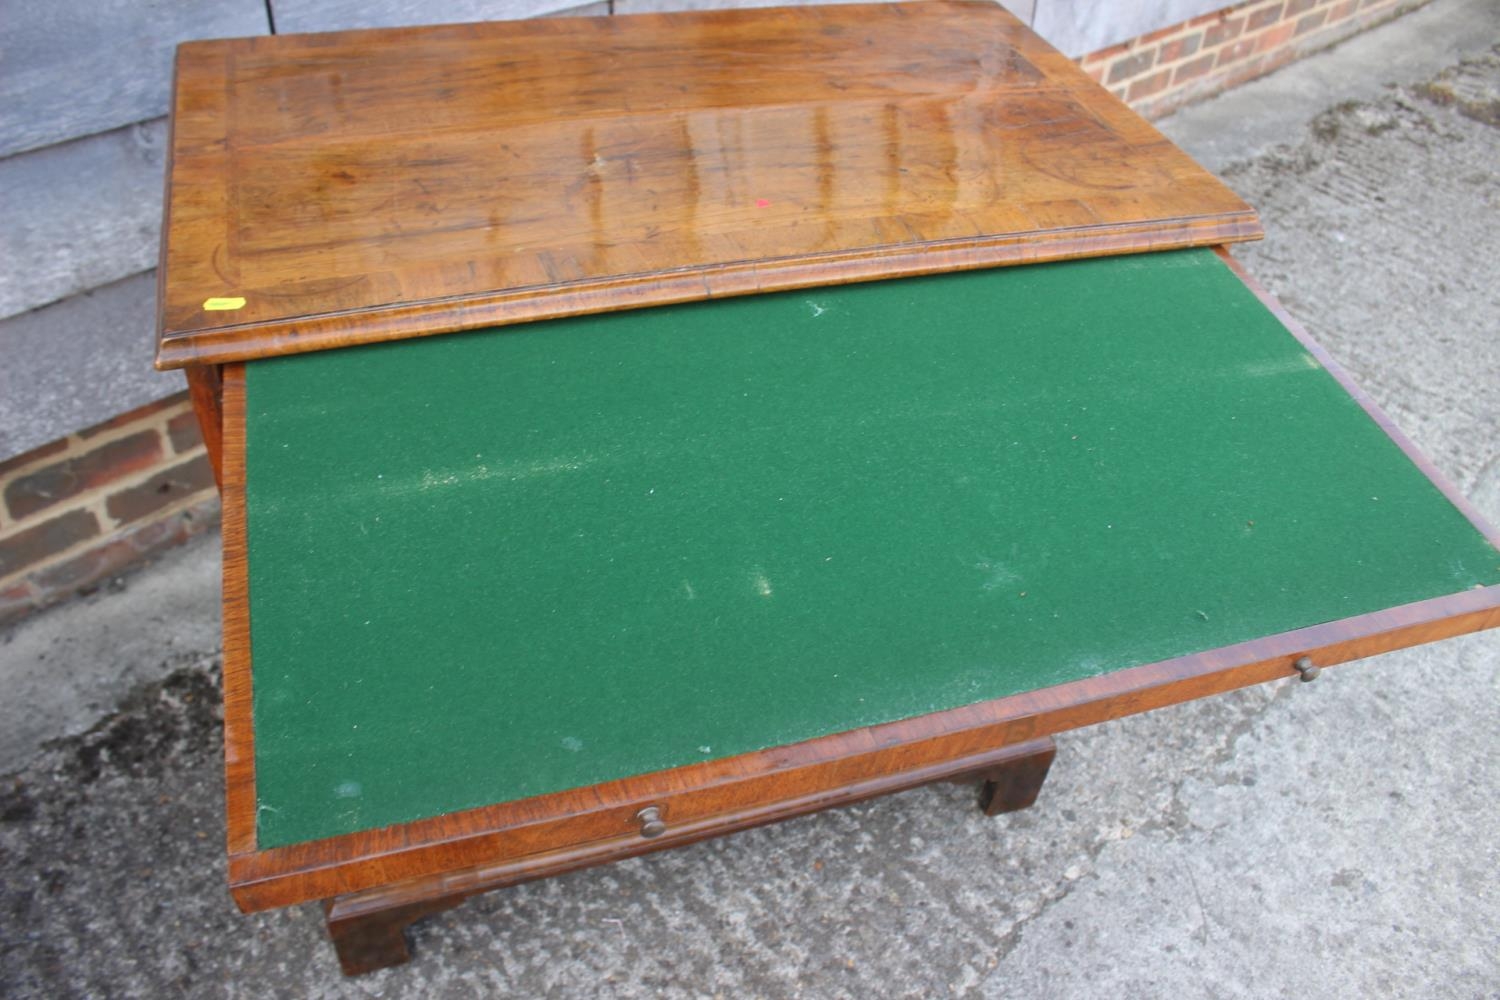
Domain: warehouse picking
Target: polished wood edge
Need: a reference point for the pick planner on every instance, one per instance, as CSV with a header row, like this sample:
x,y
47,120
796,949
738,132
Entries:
x,y
205,388
531,836
1363,399
169,160
500,875
239,729
243,342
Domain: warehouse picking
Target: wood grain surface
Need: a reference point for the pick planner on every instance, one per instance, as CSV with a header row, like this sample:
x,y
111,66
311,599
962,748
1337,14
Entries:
x,y
376,185
205,387
239,727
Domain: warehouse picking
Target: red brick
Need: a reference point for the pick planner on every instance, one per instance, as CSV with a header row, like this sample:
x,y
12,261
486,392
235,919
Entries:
x,y
1223,31
1311,21
163,489
1196,68
112,557
1153,84
26,458
1343,10
134,416
1096,73
1180,48
1106,54
1277,36
1295,7
183,430
51,484
1238,50
1130,66
1263,17
86,570
29,547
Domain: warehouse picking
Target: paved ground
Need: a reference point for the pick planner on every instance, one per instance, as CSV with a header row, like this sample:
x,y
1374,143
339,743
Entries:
x,y
1334,839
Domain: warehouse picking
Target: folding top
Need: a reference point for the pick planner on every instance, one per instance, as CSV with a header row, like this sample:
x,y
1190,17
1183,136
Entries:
x,y
338,189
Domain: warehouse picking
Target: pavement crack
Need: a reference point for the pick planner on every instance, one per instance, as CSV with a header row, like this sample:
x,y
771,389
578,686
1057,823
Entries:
x,y
1172,819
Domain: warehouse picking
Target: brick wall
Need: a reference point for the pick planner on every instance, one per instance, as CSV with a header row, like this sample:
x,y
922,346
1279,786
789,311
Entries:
x,y
79,510
1160,72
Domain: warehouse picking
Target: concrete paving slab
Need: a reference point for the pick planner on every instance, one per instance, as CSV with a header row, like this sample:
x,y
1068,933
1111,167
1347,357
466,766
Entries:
x,y
63,670
79,362
1332,839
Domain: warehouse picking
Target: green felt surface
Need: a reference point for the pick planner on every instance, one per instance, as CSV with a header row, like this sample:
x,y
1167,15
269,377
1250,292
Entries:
x,y
489,566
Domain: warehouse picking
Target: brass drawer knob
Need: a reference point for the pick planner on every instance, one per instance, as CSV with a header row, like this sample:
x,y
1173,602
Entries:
x,y
651,822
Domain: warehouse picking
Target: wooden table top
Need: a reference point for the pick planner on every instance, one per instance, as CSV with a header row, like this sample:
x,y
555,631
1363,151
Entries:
x,y
338,189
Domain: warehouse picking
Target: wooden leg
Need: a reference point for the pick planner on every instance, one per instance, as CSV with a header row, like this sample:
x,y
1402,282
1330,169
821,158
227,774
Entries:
x,y
206,390
1015,783
369,937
